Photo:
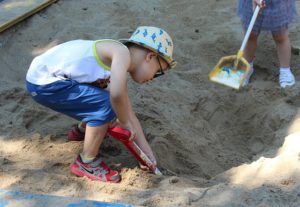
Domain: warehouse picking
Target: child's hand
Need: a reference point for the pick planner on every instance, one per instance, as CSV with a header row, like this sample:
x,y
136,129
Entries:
x,y
150,156
145,168
127,126
260,3
132,131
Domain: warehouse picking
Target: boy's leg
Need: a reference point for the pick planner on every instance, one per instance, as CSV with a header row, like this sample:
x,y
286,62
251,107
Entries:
x,y
87,103
77,132
88,163
93,139
282,40
82,126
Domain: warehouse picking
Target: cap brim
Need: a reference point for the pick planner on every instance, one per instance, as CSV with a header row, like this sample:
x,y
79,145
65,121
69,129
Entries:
x,y
124,41
171,63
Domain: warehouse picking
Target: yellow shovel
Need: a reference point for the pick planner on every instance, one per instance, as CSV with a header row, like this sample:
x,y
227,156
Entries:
x,y
232,70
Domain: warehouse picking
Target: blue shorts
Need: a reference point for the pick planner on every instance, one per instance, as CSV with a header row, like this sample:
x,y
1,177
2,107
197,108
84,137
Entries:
x,y
83,102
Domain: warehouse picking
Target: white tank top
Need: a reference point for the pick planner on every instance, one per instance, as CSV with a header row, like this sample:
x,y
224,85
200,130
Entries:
x,y
76,60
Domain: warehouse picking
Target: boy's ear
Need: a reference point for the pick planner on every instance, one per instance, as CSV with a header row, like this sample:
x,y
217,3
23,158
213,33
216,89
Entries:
x,y
150,55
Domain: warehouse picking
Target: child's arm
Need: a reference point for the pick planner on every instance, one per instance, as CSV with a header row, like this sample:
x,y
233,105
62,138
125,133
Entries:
x,y
120,100
141,140
118,86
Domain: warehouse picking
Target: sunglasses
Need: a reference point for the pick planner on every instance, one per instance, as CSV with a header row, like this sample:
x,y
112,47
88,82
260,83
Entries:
x,y
161,72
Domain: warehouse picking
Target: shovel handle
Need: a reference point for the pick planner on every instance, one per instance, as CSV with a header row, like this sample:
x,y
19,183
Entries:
x,y
250,27
123,135
239,55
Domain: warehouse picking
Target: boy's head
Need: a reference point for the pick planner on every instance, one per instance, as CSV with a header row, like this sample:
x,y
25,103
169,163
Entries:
x,y
153,49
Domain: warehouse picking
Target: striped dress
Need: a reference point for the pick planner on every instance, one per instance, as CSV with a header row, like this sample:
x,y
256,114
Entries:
x,y
275,17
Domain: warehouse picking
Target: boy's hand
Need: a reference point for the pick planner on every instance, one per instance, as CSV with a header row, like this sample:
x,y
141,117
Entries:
x,y
126,126
260,3
132,130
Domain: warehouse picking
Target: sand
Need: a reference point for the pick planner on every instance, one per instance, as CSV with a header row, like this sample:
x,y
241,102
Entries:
x,y
216,146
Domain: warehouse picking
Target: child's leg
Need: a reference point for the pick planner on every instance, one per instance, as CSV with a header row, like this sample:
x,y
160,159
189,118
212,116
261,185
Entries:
x,y
88,163
92,136
249,54
87,103
247,79
283,45
82,126
282,40
77,132
251,46
93,139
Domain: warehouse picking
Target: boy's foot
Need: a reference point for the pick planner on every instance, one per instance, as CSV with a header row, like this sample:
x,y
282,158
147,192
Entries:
x,y
286,78
95,170
75,134
247,79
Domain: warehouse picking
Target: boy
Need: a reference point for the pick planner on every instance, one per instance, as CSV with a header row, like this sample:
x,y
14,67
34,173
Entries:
x,y
72,78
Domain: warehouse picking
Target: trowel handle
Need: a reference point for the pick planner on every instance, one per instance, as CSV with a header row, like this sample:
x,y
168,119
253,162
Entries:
x,y
250,27
123,135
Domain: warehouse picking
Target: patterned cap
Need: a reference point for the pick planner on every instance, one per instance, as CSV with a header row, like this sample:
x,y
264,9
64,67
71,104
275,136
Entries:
x,y
156,40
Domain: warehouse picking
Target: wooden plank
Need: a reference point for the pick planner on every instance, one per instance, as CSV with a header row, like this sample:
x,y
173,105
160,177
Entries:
x,y
14,11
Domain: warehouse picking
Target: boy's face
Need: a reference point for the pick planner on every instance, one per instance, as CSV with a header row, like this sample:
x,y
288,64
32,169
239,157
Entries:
x,y
151,66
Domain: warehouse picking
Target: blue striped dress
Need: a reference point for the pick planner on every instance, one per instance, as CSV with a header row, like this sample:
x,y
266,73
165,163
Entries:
x,y
275,17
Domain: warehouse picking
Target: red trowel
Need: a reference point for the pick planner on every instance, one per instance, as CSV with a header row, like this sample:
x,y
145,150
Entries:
x,y
123,135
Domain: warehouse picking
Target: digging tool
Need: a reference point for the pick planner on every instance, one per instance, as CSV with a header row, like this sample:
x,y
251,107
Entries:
x,y
232,70
123,135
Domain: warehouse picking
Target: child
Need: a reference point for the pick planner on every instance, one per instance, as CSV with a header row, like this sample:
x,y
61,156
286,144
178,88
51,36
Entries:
x,y
275,16
72,78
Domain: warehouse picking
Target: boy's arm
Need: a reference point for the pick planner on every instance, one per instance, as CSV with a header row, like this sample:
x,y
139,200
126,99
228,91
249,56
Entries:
x,y
141,140
118,86
121,103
